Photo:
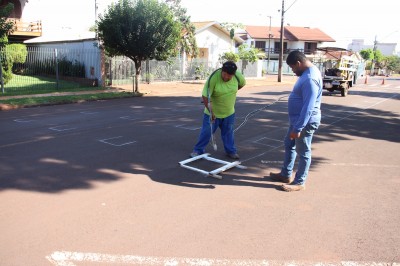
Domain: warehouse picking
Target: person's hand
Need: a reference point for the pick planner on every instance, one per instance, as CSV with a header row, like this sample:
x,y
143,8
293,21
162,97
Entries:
x,y
212,117
294,135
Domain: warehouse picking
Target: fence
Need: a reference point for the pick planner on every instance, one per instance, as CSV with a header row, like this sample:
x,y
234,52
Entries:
x,y
43,69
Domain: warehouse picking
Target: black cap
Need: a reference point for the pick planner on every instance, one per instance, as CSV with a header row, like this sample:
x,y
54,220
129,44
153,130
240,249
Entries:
x,y
229,67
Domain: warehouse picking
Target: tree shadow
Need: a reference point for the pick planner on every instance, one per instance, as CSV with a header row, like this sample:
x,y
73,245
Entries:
x,y
164,130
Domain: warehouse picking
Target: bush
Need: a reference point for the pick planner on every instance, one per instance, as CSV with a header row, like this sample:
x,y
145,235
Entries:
x,y
6,65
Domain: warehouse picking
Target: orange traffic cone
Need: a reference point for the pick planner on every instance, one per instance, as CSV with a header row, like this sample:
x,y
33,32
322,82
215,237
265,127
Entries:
x,y
366,79
383,81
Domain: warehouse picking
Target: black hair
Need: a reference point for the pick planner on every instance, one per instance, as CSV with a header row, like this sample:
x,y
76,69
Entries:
x,y
294,57
229,67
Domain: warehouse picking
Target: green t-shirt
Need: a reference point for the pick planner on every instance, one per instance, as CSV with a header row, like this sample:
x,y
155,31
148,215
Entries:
x,y
223,94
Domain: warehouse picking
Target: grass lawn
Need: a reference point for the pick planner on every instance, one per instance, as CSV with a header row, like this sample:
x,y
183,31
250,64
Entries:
x,y
26,86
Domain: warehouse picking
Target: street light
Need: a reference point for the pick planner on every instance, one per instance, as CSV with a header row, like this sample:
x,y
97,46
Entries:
x,y
281,44
269,42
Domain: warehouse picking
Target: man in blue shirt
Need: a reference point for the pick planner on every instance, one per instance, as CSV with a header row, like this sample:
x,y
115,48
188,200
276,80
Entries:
x,y
304,109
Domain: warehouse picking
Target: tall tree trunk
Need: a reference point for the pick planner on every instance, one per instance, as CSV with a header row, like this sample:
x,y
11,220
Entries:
x,y
138,67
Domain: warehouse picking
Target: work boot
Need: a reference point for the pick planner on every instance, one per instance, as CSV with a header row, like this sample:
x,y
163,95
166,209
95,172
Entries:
x,y
279,178
194,154
234,156
293,187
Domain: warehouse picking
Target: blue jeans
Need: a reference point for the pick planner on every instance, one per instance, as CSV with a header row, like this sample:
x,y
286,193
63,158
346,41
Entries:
x,y
301,147
226,125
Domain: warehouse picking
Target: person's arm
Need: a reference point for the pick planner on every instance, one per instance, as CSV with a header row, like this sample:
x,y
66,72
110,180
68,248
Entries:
x,y
207,92
241,80
309,93
205,102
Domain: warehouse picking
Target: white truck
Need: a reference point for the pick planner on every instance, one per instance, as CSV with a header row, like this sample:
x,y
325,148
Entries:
x,y
342,68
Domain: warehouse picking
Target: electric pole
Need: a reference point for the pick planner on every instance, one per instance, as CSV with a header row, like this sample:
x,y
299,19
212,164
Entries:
x,y
281,43
269,42
373,60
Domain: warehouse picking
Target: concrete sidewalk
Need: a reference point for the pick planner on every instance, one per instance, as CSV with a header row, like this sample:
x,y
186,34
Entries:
x,y
155,88
158,87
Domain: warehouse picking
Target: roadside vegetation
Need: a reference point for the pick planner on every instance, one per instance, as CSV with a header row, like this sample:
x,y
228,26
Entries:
x,y
29,98
64,99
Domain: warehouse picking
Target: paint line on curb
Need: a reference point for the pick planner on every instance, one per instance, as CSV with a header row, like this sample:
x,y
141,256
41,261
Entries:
x,y
65,258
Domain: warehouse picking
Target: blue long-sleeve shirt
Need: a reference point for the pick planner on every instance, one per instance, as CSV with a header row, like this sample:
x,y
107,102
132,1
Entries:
x,y
304,105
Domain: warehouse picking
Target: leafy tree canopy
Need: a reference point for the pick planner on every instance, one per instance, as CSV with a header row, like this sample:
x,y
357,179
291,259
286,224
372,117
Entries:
x,y
140,30
367,54
394,63
187,41
245,53
6,27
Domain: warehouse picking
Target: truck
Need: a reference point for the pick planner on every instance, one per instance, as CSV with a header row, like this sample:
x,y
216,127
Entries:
x,y
341,69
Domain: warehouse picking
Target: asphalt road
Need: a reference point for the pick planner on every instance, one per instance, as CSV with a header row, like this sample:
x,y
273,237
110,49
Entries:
x,y
99,183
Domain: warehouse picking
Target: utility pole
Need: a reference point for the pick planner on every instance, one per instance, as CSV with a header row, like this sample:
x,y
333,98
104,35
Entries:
x,y
373,60
269,42
95,16
281,43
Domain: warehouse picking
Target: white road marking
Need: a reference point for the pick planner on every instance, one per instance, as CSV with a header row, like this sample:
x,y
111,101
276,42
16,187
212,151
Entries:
x,y
115,144
129,118
61,128
65,258
188,127
23,120
88,113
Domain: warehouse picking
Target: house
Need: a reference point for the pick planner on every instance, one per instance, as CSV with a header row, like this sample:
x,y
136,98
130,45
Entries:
x,y
23,30
73,47
213,40
267,39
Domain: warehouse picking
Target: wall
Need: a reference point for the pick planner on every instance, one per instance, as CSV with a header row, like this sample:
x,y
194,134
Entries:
x,y
84,51
216,41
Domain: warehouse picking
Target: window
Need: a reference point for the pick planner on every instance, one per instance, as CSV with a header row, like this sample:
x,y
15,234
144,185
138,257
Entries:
x,y
310,47
260,45
277,47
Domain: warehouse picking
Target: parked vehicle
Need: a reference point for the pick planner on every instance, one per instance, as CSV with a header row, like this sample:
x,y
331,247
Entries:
x,y
342,68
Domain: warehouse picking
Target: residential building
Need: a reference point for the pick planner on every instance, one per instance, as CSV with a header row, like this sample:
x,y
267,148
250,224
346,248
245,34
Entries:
x,y
267,39
213,40
386,49
23,30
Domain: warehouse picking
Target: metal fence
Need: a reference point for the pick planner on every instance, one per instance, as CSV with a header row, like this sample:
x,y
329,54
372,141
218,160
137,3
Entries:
x,y
40,68
43,69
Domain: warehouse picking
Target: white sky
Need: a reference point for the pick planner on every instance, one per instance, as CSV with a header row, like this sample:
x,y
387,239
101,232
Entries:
x,y
343,20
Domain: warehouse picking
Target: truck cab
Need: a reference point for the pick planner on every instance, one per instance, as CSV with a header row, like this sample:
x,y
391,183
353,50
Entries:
x,y
341,69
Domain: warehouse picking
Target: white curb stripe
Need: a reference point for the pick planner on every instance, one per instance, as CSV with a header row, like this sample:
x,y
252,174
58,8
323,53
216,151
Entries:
x,y
65,258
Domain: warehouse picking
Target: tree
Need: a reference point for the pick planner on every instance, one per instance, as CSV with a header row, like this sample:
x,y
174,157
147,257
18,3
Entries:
x,y
140,30
245,54
229,56
231,27
187,41
6,27
367,54
393,63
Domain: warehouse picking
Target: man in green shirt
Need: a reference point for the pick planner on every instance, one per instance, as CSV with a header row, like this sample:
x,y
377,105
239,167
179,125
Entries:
x,y
221,88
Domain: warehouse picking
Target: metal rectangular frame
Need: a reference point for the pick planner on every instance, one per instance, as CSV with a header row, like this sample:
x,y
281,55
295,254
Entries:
x,y
214,173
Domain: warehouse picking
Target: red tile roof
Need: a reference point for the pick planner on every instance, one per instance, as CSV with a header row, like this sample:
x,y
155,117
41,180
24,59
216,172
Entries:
x,y
291,33
261,32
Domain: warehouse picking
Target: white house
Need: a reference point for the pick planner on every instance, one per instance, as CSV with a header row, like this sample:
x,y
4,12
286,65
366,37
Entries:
x,y
213,40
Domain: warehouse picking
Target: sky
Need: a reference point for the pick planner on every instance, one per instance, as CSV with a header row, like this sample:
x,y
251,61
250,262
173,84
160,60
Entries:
x,y
343,20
